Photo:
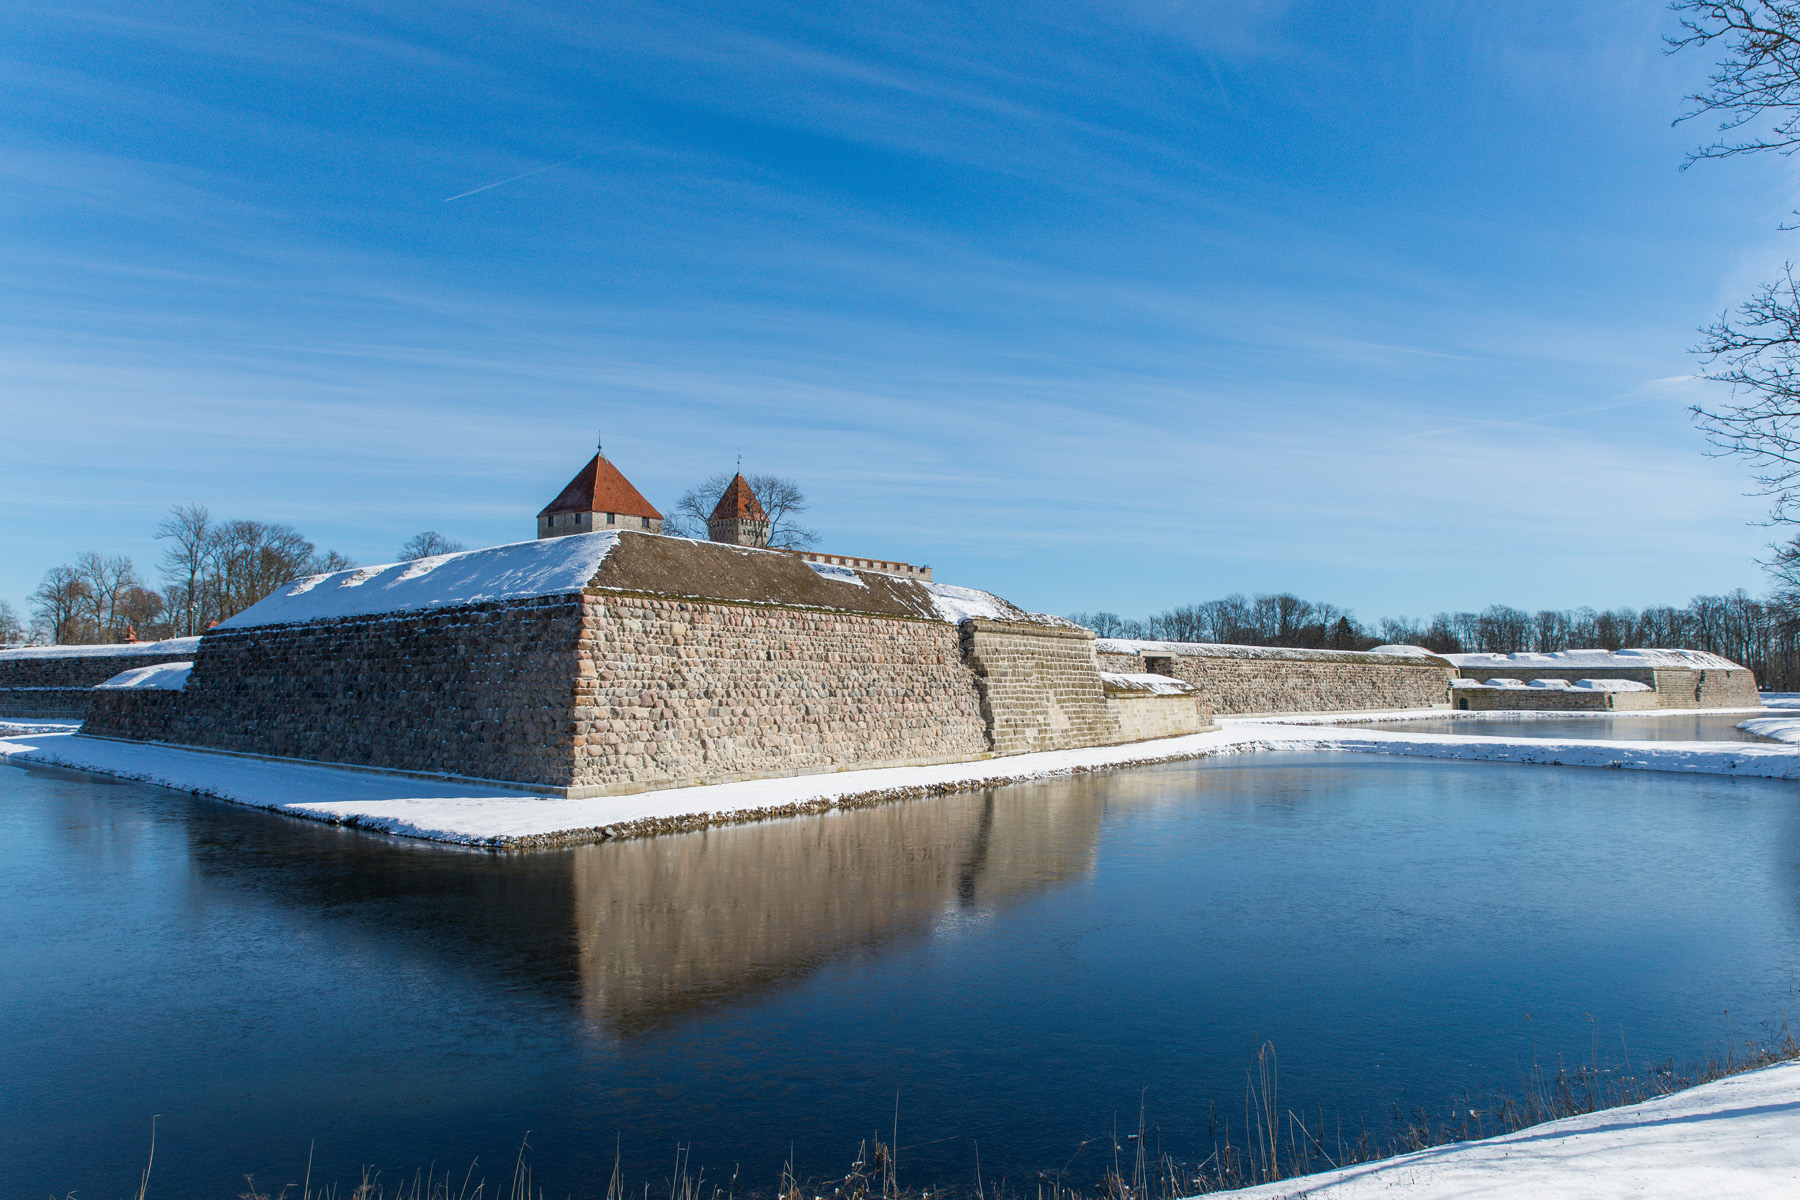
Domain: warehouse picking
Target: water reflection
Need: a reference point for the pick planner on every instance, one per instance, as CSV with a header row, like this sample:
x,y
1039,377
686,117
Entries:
x,y
665,924
637,932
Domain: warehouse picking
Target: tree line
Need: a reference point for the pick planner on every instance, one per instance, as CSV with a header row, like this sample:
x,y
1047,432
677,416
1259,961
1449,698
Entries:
x,y
210,570
1762,634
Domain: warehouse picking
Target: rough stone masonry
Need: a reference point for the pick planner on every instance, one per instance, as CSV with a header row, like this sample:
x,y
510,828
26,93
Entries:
x,y
613,662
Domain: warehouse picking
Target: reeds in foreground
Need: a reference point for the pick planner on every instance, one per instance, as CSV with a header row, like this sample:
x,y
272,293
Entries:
x,y
1276,1143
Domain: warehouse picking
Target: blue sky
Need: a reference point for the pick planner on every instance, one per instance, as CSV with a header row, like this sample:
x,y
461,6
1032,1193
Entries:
x,y
1097,305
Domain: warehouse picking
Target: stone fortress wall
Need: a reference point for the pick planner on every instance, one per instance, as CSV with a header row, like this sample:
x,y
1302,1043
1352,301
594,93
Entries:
x,y
58,681
650,662
1239,680
479,691
1680,678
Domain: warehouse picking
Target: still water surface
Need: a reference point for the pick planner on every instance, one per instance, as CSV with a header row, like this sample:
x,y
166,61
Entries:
x,y
1019,966
1658,727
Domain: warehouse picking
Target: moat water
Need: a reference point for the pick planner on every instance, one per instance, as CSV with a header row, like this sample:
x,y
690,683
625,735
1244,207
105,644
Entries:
x,y
1636,727
1021,968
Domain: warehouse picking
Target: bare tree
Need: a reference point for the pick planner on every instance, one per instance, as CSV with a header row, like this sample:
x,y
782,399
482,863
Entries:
x,y
781,499
107,578
60,607
428,544
188,530
12,626
1754,94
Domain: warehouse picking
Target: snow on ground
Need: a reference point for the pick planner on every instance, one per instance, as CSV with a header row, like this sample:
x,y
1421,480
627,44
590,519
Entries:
x,y
1737,1137
543,567
486,814
1782,729
13,726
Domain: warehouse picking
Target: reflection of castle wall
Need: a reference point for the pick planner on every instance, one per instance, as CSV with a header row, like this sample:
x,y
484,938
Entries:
x,y
667,923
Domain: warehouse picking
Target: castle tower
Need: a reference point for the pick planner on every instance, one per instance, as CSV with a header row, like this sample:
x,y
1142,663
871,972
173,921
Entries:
x,y
596,500
739,517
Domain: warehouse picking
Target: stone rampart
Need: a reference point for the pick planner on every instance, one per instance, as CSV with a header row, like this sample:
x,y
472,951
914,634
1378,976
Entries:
x,y
1676,687
1141,717
1515,699
674,692
60,703
1236,680
1040,687
54,681
484,691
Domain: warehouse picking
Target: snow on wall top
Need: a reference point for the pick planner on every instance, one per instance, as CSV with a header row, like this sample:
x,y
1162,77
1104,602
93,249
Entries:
x,y
1589,659
1223,650
163,677
545,567
1154,685
170,648
1554,685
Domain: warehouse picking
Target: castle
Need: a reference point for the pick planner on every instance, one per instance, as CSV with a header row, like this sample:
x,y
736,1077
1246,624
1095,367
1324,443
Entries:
x,y
603,657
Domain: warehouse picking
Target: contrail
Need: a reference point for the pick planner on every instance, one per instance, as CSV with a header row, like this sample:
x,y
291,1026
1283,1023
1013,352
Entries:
x,y
514,178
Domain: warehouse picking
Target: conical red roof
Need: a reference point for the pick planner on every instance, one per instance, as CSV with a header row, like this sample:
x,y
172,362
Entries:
x,y
600,488
738,502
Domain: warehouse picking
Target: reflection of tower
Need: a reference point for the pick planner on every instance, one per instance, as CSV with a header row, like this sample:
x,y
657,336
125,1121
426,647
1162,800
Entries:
x,y
738,517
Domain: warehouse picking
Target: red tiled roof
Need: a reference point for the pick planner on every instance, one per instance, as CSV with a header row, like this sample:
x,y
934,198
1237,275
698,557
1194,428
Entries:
x,y
739,502
600,488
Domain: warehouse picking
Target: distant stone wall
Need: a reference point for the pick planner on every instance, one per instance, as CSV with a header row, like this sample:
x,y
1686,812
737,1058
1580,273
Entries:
x,y
1676,687
484,691
1040,686
85,666
53,681
1511,699
1271,681
676,692
61,703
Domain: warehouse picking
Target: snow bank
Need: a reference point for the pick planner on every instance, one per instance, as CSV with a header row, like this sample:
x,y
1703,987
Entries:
x,y
1737,1137
485,814
1782,729
1610,659
1613,685
168,648
163,677
545,567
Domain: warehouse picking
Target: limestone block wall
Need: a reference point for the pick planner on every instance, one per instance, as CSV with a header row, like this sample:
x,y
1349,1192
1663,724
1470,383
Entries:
x,y
1141,717
677,691
1040,685
485,691
1726,689
1297,681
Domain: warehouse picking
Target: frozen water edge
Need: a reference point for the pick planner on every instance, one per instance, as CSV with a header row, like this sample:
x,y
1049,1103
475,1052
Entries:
x,y
476,813
1738,1136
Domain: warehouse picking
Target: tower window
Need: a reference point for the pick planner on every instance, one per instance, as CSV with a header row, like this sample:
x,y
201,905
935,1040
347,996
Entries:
x,y
609,518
